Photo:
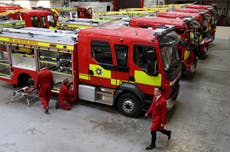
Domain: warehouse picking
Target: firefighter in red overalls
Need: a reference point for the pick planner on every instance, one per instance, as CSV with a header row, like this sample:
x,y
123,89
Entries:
x,y
44,86
158,110
66,96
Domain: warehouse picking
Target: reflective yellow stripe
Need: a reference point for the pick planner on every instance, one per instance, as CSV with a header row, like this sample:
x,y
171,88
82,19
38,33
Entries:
x,y
36,43
78,26
52,28
4,39
113,81
67,47
72,26
105,18
12,24
84,76
23,55
6,64
186,54
43,44
143,78
191,35
118,82
201,37
100,71
2,74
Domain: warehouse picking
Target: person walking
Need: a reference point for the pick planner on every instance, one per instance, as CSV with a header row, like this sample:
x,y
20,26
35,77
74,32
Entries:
x,y
158,110
66,96
44,86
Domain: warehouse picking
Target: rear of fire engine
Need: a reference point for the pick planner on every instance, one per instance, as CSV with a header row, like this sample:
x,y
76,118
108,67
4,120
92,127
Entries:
x,y
122,68
22,51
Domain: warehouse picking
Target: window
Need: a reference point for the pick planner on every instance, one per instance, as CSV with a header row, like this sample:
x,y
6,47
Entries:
x,y
23,57
4,62
50,20
3,54
59,62
101,52
121,53
140,55
44,21
35,21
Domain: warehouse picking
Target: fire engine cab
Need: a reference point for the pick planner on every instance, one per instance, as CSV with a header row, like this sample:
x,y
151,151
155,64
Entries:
x,y
186,28
114,68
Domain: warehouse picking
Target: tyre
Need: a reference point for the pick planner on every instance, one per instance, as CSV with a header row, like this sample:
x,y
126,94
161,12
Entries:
x,y
129,105
203,53
25,80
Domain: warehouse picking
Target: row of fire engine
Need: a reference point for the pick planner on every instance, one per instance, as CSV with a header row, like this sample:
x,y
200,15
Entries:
x,y
196,24
110,63
39,16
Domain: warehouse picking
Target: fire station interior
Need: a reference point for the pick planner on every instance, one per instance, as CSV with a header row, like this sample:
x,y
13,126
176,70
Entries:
x,y
115,86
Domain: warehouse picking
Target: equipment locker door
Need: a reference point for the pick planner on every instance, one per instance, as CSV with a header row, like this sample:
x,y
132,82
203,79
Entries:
x,y
4,62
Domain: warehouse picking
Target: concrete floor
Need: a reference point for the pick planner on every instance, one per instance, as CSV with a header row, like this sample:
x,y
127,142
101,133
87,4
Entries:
x,y
200,122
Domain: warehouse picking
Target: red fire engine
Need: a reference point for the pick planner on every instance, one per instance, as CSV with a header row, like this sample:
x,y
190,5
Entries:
x,y
212,10
209,19
39,18
11,10
187,29
32,18
204,39
114,68
83,12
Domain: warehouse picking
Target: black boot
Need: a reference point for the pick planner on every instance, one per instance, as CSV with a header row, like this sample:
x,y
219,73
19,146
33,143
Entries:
x,y
56,106
150,147
169,135
46,110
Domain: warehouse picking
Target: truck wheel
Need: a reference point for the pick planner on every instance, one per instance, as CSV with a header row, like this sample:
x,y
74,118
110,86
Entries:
x,y
203,54
129,105
25,80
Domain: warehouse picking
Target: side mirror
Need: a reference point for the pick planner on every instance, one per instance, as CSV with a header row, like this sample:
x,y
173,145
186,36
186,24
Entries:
x,y
152,63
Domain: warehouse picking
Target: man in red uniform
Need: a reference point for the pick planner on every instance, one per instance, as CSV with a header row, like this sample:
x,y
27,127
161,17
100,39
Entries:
x,y
65,97
158,109
44,86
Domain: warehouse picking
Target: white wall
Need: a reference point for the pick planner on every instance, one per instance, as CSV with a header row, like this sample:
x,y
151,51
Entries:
x,y
30,3
96,6
151,3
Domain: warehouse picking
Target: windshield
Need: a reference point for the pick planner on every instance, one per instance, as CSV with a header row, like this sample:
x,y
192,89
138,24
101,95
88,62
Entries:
x,y
140,55
50,19
74,14
170,57
195,31
207,19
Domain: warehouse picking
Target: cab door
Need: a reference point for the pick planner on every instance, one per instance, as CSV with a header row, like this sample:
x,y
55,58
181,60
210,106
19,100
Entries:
x,y
100,63
109,63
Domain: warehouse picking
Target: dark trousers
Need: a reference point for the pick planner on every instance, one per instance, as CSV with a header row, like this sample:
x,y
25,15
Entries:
x,y
154,135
